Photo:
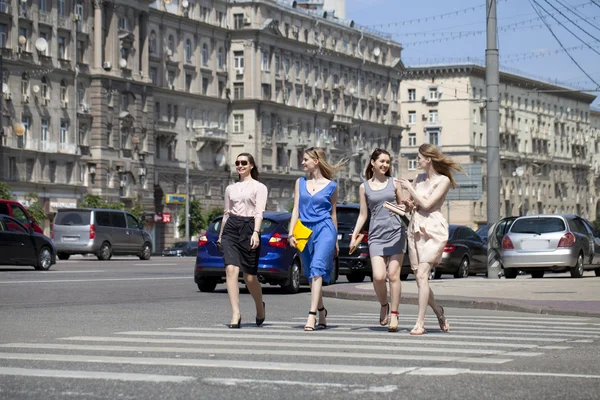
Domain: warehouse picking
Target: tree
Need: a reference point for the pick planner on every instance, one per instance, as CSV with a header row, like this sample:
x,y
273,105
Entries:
x,y
35,209
290,206
197,220
215,212
92,201
5,191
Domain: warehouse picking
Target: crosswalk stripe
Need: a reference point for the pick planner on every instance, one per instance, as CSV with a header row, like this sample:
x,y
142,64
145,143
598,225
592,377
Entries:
x,y
276,344
261,351
497,317
129,377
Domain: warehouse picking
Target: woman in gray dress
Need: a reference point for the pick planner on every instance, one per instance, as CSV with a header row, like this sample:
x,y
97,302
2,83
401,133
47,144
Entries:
x,y
386,235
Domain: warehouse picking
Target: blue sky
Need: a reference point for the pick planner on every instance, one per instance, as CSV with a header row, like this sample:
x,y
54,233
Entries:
x,y
525,43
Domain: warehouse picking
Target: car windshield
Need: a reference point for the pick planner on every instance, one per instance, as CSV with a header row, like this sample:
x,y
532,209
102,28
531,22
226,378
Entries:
x,y
347,216
72,218
179,245
482,231
538,226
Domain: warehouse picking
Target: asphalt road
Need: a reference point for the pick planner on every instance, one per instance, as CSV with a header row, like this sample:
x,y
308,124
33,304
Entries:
x,y
131,329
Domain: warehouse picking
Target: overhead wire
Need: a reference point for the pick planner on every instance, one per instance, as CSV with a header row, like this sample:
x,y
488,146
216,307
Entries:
x,y
568,19
577,14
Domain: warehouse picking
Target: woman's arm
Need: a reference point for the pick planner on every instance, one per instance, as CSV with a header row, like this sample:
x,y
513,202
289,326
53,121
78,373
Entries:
x,y
226,211
426,203
260,205
294,219
334,198
363,215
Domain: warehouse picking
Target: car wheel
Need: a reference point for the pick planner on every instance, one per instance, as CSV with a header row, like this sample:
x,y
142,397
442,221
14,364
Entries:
x,y
293,284
146,252
577,270
207,285
597,271
463,268
63,256
105,252
510,273
355,278
44,259
434,274
537,274
403,277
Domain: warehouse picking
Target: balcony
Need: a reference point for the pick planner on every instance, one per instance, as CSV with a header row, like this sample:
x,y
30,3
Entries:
x,y
340,119
45,18
208,133
5,7
24,12
67,148
65,23
48,147
432,124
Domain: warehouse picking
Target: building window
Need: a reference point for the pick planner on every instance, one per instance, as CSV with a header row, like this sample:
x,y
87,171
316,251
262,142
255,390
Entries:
x,y
13,171
64,132
43,6
434,138
44,132
52,171
124,102
277,64
205,86
171,44
238,123
266,89
25,84
153,75
433,93
265,61
123,24
152,43
80,51
412,139
29,165
3,31
25,33
412,94
220,58
238,59
188,82
433,116
188,51
62,47
204,54
238,21
69,172
412,164
171,79
412,117
62,8
238,91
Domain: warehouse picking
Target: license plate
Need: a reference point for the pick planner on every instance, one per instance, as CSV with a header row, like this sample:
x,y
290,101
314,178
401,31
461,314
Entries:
x,y
340,236
70,239
535,244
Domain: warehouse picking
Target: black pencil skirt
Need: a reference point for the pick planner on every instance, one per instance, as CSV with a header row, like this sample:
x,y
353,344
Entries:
x,y
236,244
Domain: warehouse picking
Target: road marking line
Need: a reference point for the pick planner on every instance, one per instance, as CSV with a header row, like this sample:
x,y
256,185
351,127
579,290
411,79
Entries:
x,y
276,344
227,364
316,385
479,322
70,272
153,265
260,351
163,278
422,339
581,341
130,377
528,319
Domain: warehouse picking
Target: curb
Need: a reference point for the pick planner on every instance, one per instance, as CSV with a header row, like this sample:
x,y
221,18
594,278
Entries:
x,y
472,303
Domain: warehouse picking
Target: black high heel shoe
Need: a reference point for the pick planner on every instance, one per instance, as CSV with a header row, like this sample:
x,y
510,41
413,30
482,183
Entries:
x,y
236,326
322,325
259,321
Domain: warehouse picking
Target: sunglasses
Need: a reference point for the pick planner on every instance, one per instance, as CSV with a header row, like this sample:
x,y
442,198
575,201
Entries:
x,y
313,149
242,163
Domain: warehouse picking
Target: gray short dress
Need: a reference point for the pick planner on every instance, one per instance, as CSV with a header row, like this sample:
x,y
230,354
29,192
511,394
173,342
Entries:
x,y
387,234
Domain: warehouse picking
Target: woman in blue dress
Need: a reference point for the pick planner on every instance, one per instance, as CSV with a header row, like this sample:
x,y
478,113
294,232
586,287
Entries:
x,y
314,205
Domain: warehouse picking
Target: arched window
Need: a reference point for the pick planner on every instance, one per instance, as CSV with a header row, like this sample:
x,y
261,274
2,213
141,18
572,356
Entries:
x,y
63,91
221,58
171,44
25,84
45,90
204,54
188,51
152,42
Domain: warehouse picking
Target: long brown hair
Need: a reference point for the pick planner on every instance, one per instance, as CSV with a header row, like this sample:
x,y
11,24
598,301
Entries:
x,y
327,170
374,156
442,164
254,170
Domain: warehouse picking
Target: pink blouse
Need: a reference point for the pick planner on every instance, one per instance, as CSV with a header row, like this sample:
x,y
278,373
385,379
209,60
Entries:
x,y
246,199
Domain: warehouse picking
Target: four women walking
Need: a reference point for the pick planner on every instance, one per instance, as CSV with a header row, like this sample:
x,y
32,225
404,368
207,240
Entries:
x,y
315,208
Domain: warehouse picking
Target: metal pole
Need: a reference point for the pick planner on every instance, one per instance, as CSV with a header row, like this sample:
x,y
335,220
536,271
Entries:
x,y
187,193
492,77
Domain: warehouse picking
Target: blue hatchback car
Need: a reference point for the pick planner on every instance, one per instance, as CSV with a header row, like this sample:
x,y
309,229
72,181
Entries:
x,y
279,264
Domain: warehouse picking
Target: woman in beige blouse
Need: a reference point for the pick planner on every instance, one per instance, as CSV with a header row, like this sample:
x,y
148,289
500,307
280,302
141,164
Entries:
x,y
245,203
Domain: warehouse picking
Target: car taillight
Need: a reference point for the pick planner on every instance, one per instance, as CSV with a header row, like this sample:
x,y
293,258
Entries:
x,y
202,241
507,244
449,248
52,232
92,231
568,240
278,241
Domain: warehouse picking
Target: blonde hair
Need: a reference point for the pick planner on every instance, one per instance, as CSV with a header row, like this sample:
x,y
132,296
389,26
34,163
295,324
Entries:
x,y
327,170
442,164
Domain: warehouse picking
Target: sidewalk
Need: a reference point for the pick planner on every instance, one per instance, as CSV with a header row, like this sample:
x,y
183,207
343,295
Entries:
x,y
557,294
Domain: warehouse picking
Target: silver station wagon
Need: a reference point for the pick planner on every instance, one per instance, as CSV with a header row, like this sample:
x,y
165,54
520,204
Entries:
x,y
100,232
539,243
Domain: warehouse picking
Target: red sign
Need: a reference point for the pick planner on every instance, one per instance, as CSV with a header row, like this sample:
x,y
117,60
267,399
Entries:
x,y
166,218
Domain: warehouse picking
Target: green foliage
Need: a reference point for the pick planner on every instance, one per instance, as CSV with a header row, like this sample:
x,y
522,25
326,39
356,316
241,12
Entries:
x,y
5,191
96,201
213,213
197,219
92,201
290,206
137,209
35,209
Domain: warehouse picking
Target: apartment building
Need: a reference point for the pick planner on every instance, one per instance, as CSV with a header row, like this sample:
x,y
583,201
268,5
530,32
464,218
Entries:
x,y
116,97
546,140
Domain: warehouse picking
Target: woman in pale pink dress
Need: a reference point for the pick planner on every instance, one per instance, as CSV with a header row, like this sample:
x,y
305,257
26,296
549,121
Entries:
x,y
428,229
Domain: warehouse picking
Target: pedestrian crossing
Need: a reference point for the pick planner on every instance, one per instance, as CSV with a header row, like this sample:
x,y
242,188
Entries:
x,y
352,344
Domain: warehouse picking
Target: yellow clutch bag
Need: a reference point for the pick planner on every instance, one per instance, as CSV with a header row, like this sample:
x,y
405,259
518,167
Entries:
x,y
301,233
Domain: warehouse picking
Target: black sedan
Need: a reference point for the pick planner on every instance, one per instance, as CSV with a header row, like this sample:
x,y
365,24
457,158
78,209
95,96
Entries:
x,y
465,254
182,249
22,246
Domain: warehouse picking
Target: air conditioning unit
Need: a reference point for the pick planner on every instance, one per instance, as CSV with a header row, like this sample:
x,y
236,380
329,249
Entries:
x,y
287,77
239,71
106,65
324,107
25,98
76,17
46,102
64,103
424,117
247,21
141,171
85,108
7,96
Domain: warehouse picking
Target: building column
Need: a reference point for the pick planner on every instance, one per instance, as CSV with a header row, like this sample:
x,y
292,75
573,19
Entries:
x,y
98,34
143,32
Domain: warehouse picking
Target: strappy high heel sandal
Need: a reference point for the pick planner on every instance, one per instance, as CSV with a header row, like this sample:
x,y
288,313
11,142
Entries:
x,y
444,324
418,330
385,320
307,327
393,328
322,325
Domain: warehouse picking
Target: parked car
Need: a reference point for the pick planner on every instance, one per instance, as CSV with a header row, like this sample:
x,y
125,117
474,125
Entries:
x,y
279,263
101,232
182,249
357,266
558,243
465,253
20,245
16,210
483,230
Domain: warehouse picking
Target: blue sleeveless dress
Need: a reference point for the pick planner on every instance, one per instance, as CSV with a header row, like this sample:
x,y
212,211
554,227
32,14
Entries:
x,y
315,213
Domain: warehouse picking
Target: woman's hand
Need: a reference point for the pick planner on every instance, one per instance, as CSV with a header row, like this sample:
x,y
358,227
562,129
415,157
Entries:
x,y
406,184
254,240
293,242
337,248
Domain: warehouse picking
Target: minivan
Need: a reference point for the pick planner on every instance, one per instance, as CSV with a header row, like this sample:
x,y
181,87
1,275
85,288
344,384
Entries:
x,y
101,232
17,211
